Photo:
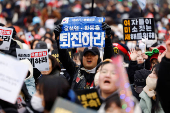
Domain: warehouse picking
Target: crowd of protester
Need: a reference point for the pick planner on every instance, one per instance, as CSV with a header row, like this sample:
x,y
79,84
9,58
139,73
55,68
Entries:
x,y
87,68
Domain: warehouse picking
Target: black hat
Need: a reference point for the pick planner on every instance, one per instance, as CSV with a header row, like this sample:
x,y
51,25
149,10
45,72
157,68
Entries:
x,y
94,50
41,45
140,79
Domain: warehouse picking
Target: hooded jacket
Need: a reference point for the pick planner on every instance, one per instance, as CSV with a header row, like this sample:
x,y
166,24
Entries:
x,y
146,103
30,81
76,72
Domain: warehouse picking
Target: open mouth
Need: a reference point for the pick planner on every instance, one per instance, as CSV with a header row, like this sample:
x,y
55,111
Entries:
x,y
107,82
89,61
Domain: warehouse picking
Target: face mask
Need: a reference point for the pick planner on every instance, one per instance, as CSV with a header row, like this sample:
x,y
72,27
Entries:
x,y
48,45
151,82
36,103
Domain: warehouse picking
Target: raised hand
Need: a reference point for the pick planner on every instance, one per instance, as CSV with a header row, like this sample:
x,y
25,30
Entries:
x,y
160,56
57,31
133,54
144,56
168,49
107,28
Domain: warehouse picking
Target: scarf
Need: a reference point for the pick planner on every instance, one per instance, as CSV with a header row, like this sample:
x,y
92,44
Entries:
x,y
93,71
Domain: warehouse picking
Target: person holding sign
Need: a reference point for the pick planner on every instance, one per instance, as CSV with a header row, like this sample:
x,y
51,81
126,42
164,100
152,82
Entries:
x,y
83,77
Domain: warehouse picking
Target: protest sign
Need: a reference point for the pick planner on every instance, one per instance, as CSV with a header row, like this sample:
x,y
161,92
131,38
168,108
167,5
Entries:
x,y
138,29
29,36
142,4
12,76
6,35
64,106
82,32
89,98
38,58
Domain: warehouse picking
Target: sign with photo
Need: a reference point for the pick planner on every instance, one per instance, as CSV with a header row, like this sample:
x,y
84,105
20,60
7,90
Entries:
x,y
6,36
138,29
38,58
82,32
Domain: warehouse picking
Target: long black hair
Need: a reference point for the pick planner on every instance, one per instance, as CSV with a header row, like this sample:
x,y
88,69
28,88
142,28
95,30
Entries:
x,y
155,103
52,87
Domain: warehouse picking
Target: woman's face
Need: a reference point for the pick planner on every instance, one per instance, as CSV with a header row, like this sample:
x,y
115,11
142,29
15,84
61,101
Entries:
x,y
37,94
108,78
139,57
50,69
34,44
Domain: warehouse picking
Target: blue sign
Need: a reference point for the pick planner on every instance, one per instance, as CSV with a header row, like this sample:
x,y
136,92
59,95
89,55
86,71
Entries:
x,y
82,32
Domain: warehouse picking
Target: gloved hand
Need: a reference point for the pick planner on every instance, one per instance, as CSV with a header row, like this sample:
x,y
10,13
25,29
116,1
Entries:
x,y
107,28
57,31
14,32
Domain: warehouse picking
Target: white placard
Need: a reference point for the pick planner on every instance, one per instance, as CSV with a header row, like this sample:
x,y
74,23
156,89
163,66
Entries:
x,y
142,4
37,57
29,36
12,76
6,35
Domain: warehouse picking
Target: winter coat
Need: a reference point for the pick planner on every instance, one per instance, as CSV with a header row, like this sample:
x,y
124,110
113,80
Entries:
x,y
133,66
76,71
163,84
146,103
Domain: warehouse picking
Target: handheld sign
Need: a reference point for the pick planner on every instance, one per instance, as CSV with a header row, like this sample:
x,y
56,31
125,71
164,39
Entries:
x,y
82,32
38,58
89,98
29,36
64,106
142,4
6,36
138,29
12,76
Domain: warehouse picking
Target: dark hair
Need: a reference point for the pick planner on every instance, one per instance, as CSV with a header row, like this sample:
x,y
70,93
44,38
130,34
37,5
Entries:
x,y
32,43
155,103
52,87
114,99
1,24
50,40
55,64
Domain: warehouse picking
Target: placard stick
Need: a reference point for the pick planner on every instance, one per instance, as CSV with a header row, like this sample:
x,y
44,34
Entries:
x,y
92,8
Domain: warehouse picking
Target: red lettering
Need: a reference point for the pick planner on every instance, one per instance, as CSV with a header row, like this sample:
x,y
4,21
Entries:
x,y
5,32
39,54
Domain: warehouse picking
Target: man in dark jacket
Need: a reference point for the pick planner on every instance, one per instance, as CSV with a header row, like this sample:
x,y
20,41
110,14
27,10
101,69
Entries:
x,y
83,77
163,82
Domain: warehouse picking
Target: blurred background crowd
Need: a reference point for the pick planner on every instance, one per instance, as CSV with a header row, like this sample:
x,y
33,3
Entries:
x,y
40,16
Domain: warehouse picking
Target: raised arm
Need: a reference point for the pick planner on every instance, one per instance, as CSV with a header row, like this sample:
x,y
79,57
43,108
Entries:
x,y
108,50
64,57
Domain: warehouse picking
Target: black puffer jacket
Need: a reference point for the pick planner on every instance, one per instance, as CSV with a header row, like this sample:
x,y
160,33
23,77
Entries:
x,y
133,66
73,69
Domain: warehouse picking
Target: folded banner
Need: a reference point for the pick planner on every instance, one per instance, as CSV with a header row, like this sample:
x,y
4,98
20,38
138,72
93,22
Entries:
x,y
6,36
82,32
38,58
138,29
12,76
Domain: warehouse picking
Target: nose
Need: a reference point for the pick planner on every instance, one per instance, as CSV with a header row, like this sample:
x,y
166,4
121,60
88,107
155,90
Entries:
x,y
108,74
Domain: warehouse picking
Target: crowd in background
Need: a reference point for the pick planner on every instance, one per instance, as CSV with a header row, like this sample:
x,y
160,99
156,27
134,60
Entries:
x,y
43,17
